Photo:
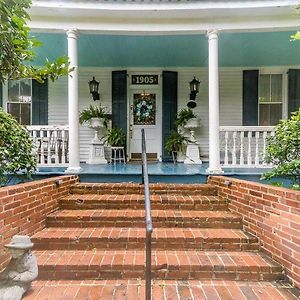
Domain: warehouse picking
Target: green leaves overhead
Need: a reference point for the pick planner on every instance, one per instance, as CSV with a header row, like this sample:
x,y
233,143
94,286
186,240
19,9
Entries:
x,y
17,47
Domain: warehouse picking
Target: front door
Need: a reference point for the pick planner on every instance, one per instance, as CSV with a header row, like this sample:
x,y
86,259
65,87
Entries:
x,y
144,113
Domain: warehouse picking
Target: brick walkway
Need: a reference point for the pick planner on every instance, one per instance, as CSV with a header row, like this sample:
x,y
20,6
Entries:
x,y
162,290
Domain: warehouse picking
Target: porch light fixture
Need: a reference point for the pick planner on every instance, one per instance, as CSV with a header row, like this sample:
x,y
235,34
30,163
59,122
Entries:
x,y
94,88
194,87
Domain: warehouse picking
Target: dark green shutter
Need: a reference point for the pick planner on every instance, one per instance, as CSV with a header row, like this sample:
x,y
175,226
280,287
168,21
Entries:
x,y
250,98
39,103
1,101
293,90
169,108
119,100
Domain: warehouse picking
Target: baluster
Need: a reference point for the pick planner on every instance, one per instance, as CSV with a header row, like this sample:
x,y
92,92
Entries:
x,y
234,148
249,160
42,147
63,147
242,148
226,149
49,147
35,144
265,133
55,146
256,148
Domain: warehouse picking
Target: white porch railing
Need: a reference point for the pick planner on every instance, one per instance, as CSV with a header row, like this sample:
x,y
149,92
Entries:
x,y
244,146
51,144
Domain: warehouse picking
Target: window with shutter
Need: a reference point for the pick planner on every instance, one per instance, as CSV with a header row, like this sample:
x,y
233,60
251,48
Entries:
x,y
20,100
270,99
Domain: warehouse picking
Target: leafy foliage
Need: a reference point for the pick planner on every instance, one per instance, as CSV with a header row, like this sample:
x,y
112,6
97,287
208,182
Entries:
x,y
17,47
283,150
16,149
183,116
93,112
176,142
115,137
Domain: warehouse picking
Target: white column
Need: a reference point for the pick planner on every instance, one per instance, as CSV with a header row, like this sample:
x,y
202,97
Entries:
x,y
74,147
213,81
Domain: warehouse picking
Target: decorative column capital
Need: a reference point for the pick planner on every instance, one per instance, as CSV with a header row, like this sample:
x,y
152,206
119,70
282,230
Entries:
x,y
212,34
72,33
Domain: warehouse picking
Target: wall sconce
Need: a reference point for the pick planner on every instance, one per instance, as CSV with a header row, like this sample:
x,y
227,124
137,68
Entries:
x,y
194,87
94,88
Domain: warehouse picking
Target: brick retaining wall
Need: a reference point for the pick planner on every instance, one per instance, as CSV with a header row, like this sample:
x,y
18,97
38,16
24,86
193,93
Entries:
x,y
24,207
272,214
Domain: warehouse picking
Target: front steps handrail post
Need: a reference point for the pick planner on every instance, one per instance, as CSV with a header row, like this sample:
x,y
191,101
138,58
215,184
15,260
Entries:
x,y
148,217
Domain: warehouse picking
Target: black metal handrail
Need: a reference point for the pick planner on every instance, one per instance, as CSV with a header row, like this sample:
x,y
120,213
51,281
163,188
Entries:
x,y
148,217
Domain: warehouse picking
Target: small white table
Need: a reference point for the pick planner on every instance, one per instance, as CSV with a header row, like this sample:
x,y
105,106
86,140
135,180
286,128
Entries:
x,y
117,155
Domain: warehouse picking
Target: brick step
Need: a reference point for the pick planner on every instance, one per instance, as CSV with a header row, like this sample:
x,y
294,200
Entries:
x,y
136,218
136,188
135,201
134,238
173,265
161,290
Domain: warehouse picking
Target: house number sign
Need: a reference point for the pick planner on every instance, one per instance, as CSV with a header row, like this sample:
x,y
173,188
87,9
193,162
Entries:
x,y
144,79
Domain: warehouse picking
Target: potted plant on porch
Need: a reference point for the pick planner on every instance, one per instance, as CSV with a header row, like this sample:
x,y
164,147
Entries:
x,y
115,137
175,144
185,116
95,116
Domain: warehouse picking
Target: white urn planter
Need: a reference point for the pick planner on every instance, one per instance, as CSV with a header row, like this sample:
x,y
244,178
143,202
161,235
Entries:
x,y
192,149
96,124
191,125
96,154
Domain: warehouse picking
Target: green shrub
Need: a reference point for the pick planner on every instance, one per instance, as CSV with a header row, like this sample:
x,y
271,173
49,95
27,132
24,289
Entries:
x,y
16,149
283,150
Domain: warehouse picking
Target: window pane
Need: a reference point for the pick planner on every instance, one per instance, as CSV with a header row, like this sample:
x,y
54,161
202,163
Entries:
x,y
25,90
264,88
13,90
14,110
25,114
270,114
275,114
276,88
264,113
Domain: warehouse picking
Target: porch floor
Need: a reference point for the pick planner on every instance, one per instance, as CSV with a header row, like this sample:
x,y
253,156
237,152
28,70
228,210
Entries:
x,y
158,172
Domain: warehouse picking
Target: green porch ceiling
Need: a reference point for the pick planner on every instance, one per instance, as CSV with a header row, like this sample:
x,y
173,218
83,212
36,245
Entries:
x,y
235,49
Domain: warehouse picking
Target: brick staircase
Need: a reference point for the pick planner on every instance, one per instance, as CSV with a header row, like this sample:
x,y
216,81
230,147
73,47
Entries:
x,y
99,234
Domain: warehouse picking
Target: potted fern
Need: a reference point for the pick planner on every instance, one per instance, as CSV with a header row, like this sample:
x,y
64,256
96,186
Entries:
x,y
115,137
94,116
184,116
175,144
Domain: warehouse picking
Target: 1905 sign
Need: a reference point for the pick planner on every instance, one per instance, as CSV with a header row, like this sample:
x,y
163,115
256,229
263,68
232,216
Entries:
x,y
144,79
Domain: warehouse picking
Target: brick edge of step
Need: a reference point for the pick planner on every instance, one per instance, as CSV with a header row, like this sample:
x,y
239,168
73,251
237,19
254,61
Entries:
x,y
125,265
130,188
